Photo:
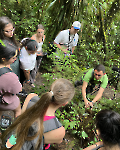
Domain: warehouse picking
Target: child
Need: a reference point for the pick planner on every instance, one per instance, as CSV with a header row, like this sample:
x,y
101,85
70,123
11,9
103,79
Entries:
x,y
28,57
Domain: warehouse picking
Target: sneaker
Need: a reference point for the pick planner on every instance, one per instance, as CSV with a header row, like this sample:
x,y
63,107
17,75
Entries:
x,y
32,85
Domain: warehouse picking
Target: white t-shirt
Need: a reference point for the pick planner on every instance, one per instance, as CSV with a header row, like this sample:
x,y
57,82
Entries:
x,y
27,60
39,44
63,38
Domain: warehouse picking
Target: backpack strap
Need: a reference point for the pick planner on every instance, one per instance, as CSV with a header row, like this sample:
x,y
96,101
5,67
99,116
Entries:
x,y
4,70
70,42
51,124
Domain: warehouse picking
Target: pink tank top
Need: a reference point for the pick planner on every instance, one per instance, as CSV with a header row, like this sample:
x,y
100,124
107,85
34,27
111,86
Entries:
x,y
45,119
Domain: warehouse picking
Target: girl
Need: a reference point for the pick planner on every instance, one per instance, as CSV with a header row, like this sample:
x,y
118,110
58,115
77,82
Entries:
x,y
39,37
9,83
39,110
28,57
7,33
108,129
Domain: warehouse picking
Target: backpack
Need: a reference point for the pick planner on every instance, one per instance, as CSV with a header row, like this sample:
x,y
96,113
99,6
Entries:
x,y
30,145
3,71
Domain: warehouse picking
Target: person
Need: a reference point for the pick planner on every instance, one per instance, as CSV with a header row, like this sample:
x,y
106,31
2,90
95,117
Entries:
x,y
9,82
93,77
28,57
41,109
108,130
39,37
7,33
66,40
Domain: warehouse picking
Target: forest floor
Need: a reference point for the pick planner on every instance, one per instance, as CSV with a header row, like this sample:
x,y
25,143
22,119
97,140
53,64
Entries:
x,y
69,142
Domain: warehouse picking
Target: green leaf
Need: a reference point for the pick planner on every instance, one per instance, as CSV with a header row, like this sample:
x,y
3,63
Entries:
x,y
72,124
84,134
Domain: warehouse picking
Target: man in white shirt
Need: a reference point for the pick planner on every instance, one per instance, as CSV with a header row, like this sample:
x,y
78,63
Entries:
x,y
66,40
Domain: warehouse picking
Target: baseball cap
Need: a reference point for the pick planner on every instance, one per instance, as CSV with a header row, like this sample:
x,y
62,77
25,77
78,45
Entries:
x,y
76,25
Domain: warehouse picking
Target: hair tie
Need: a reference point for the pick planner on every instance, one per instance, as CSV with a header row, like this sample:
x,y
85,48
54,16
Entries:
x,y
52,99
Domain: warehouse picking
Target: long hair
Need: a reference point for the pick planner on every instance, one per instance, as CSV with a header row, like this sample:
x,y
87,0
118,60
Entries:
x,y
7,50
63,91
108,123
3,22
30,44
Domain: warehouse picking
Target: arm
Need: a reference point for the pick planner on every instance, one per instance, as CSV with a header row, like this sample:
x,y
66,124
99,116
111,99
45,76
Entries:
x,y
8,145
33,37
28,98
84,93
58,45
99,95
54,136
73,48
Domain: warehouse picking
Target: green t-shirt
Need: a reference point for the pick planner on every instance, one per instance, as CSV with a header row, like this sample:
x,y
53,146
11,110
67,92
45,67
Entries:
x,y
103,79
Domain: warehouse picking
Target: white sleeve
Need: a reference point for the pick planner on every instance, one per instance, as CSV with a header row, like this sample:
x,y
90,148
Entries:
x,y
59,38
25,65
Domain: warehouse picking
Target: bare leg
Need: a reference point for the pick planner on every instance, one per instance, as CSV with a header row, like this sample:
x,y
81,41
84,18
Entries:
x,y
17,111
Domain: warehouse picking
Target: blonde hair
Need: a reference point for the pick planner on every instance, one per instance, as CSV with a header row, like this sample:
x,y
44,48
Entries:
x,y
62,92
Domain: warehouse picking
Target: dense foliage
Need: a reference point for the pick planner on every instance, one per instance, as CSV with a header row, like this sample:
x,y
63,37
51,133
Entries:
x,y
99,40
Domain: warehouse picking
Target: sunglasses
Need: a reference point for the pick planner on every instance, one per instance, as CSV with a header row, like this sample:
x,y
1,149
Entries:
x,y
76,29
97,74
11,30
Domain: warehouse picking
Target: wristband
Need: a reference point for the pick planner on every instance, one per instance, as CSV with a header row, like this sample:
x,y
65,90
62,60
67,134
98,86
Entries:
x,y
93,103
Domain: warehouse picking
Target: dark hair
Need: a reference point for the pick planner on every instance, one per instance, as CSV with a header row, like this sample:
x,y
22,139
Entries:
x,y
100,68
108,123
3,22
30,44
62,90
7,50
39,26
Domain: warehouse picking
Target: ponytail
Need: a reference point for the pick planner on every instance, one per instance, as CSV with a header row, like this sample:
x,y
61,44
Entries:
x,y
61,91
22,124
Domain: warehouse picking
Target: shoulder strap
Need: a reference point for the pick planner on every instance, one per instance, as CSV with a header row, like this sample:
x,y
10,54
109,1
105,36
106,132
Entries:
x,y
51,124
4,70
70,41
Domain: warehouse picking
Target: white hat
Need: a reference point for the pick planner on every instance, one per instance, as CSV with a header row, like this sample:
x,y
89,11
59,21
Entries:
x,y
76,25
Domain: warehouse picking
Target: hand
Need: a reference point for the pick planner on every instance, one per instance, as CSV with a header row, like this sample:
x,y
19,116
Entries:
x,y
86,104
90,104
65,51
40,54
